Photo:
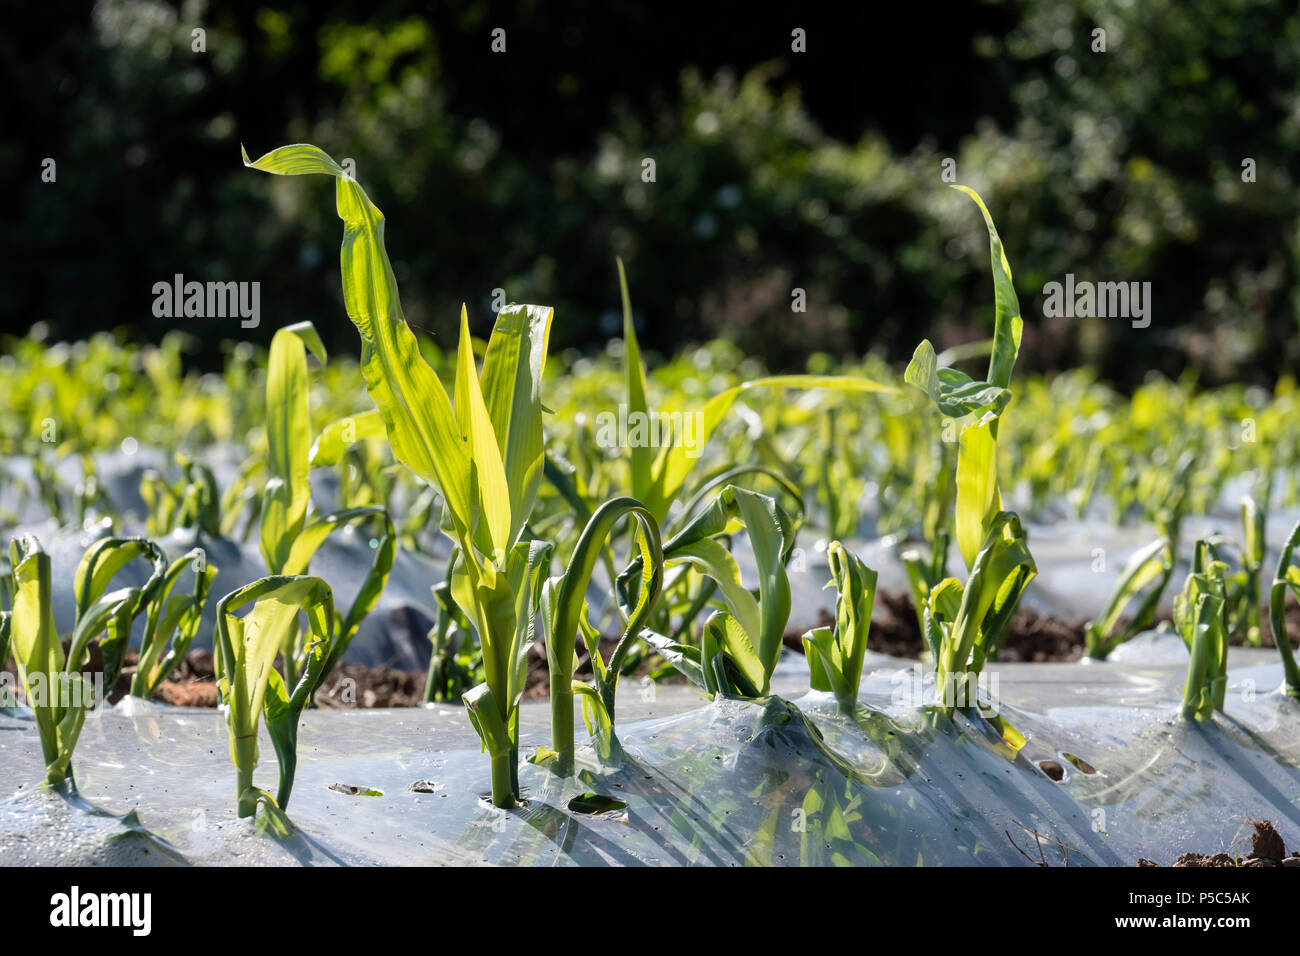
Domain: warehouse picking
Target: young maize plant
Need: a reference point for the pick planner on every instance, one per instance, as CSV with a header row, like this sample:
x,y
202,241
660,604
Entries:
x,y
1201,618
171,622
964,623
190,502
659,475
69,505
925,571
564,613
250,685
835,654
1145,574
1286,575
6,629
741,642
482,448
1244,618
291,531
451,665
107,616
58,699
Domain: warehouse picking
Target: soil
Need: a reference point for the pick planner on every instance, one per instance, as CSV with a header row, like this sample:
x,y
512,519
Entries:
x,y
1266,849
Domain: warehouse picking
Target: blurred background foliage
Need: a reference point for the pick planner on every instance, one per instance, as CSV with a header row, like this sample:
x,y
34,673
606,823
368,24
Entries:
x,y
774,170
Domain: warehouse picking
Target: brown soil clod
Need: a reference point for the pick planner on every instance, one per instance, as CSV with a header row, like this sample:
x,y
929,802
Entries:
x,y
1266,843
1267,849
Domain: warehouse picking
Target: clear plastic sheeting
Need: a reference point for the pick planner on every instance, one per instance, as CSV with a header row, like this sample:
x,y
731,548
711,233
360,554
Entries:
x,y
780,781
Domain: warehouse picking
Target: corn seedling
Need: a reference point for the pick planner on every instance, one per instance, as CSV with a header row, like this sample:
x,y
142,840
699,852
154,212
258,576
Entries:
x,y
964,623
1286,576
250,685
564,613
924,572
451,665
1244,618
191,502
1144,578
291,532
171,622
107,616
926,567
740,643
59,700
6,628
1200,617
659,474
835,654
482,449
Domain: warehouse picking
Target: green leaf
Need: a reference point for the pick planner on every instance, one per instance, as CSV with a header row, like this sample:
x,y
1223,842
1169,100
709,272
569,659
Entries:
x,y
39,655
676,462
512,390
956,393
771,536
977,485
732,665
489,490
417,413
684,658
713,560
101,562
372,586
595,803
111,615
527,567
1154,563
643,456
486,717
1007,321
1285,575
835,657
819,649
337,436
999,575
288,440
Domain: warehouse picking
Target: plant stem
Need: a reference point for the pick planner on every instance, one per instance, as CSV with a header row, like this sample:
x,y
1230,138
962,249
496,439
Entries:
x,y
433,680
562,718
245,762
503,772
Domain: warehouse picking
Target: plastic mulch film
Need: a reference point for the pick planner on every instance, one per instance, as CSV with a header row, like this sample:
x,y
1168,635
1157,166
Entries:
x,y
781,781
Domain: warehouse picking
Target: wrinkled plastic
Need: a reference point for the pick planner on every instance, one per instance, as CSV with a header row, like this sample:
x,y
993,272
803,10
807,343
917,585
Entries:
x,y
784,780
